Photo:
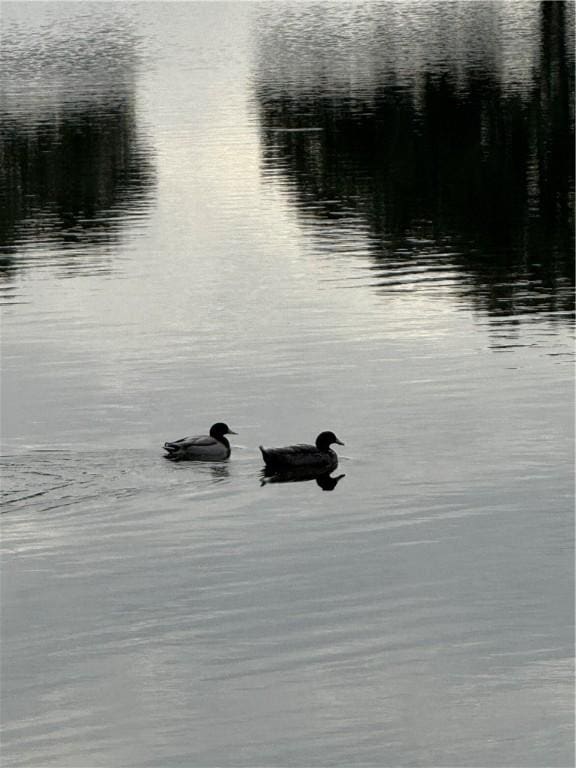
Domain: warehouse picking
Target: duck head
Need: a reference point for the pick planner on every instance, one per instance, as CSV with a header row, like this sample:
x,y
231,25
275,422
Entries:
x,y
325,440
220,429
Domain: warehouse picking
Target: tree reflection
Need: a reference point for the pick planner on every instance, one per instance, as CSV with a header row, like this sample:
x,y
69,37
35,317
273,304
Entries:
x,y
71,180
73,165
482,171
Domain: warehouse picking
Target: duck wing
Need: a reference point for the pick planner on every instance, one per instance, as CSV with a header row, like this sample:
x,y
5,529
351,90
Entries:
x,y
288,451
201,441
201,448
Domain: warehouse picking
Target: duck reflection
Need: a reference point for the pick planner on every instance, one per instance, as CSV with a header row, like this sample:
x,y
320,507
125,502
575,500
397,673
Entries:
x,y
325,480
219,472
216,472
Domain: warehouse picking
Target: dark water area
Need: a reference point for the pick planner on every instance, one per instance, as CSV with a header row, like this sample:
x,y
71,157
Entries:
x,y
478,168
292,217
74,168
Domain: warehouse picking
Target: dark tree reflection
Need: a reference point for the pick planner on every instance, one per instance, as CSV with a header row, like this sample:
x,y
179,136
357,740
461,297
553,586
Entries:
x,y
482,171
72,178
74,166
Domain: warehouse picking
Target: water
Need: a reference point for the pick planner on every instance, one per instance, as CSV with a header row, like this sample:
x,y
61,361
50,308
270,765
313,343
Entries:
x,y
291,217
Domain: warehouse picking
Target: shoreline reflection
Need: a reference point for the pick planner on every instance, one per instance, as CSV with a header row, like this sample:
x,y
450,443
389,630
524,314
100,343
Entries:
x,y
75,169
457,165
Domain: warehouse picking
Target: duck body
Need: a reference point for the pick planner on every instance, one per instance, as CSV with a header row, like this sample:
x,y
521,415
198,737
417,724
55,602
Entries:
x,y
212,447
319,457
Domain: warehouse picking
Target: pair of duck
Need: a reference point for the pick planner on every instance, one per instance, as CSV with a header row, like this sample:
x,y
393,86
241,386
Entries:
x,y
216,447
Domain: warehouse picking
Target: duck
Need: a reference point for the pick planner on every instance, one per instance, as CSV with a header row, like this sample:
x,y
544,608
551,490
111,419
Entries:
x,y
314,457
211,447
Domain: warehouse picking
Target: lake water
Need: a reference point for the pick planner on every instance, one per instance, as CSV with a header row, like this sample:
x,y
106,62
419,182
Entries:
x,y
291,217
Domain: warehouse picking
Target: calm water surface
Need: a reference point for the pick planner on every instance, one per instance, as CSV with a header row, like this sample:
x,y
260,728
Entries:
x,y
291,217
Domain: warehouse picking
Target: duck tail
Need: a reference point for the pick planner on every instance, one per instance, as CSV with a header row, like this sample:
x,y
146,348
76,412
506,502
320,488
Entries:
x,y
173,452
270,458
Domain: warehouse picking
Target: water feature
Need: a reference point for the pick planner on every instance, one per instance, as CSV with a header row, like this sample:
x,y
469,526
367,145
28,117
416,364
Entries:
x,y
290,217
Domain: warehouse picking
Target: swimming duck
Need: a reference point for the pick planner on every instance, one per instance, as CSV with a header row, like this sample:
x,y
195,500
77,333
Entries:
x,y
212,447
319,456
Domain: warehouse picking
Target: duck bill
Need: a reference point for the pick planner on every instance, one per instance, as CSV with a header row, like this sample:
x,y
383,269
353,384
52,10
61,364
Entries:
x,y
231,432
339,442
